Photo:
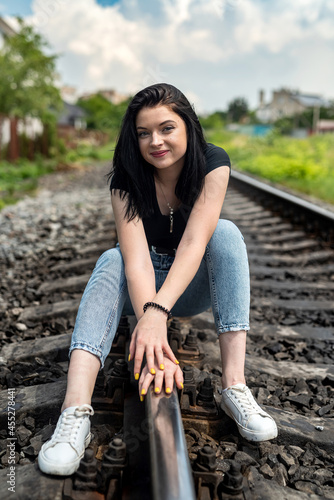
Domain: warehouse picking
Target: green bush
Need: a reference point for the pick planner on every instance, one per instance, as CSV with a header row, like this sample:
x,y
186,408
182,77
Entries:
x,y
306,165
19,178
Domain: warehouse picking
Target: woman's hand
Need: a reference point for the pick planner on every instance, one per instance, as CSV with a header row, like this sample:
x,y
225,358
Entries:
x,y
167,376
150,338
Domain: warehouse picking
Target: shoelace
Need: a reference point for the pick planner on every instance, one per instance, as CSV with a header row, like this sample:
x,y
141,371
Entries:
x,y
246,401
70,424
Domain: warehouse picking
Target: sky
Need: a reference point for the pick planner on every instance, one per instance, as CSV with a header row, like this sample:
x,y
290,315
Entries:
x,y
212,50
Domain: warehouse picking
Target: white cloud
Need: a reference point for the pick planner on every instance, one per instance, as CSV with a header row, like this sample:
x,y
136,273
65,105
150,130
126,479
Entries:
x,y
101,37
288,23
200,45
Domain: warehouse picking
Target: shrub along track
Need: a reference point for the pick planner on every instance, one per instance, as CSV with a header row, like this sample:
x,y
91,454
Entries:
x,y
289,367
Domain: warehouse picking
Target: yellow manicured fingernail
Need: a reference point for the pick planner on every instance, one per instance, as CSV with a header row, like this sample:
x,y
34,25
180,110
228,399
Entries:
x,y
162,367
177,362
137,376
129,358
168,390
157,390
143,392
153,371
141,398
181,386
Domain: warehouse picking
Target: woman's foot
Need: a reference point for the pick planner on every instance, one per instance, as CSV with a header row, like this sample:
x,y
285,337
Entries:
x,y
61,455
253,422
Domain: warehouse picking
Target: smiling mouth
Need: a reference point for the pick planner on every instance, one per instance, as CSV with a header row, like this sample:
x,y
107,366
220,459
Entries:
x,y
159,154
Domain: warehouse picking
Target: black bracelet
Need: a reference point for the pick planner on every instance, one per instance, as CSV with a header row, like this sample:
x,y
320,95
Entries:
x,y
158,306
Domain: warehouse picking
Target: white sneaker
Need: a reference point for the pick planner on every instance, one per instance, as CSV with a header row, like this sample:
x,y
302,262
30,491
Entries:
x,y
61,455
253,423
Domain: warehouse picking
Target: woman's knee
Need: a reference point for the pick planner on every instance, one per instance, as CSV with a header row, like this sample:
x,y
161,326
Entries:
x,y
111,258
226,236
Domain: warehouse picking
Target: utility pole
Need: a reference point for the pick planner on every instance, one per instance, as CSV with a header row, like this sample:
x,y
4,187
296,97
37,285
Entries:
x,y
316,115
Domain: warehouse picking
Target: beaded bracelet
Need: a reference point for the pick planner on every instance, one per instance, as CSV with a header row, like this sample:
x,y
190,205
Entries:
x,y
158,306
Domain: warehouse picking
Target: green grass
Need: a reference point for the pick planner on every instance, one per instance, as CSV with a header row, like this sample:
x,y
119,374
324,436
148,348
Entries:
x,y
21,178
304,165
84,153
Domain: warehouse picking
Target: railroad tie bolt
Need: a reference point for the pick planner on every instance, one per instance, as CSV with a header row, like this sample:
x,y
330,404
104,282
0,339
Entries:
x,y
88,464
191,344
174,325
206,459
86,476
120,369
206,391
188,375
232,483
116,453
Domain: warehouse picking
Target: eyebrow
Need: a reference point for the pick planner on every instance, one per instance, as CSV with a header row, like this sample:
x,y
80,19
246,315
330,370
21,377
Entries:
x,y
160,124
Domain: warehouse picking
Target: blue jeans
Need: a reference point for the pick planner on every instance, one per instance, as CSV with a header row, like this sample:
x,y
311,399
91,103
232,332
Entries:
x,y
221,282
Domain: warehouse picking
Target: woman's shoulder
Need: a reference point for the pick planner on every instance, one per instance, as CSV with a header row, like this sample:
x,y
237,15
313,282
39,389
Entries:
x,y
117,182
215,157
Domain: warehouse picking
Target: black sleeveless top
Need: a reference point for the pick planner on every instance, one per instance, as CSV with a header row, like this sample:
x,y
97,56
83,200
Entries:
x,y
157,226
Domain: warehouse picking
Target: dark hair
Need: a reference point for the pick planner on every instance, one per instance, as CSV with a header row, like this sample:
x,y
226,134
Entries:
x,y
134,176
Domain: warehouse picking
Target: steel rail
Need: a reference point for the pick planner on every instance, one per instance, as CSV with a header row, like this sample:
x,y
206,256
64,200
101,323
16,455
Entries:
x,y
171,472
313,216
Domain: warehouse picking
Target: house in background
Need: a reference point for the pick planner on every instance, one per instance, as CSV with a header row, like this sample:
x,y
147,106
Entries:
x,y
11,127
69,94
285,103
5,30
325,126
71,123
71,117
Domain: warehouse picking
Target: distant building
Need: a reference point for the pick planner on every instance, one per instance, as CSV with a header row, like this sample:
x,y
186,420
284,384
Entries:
x,y
325,126
5,30
69,94
10,127
111,95
71,116
285,102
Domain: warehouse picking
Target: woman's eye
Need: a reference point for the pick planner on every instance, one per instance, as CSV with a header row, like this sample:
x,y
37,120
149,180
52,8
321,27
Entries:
x,y
168,129
142,134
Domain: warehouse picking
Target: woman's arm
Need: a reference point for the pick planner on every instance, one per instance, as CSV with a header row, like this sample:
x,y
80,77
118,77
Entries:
x,y
138,265
200,227
140,276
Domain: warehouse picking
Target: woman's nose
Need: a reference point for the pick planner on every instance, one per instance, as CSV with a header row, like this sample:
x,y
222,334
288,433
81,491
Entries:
x,y
156,139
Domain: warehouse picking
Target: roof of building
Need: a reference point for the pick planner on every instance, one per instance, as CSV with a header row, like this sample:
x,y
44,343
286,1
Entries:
x,y
70,112
309,101
5,29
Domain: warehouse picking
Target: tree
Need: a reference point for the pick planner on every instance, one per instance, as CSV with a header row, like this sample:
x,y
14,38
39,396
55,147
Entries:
x,y
237,109
214,121
27,78
103,114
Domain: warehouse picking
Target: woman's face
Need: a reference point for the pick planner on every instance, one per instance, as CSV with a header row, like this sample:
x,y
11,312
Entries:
x,y
162,137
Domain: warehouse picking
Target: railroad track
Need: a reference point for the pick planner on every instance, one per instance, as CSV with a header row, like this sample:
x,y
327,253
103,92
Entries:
x,y
289,367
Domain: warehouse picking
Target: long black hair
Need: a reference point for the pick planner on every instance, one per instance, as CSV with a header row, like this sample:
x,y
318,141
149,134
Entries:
x,y
134,176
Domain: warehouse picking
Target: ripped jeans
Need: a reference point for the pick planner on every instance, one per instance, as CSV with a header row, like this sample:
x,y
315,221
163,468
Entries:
x,y
221,282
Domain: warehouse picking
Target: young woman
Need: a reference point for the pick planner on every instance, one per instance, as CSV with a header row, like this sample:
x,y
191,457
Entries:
x,y
174,256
